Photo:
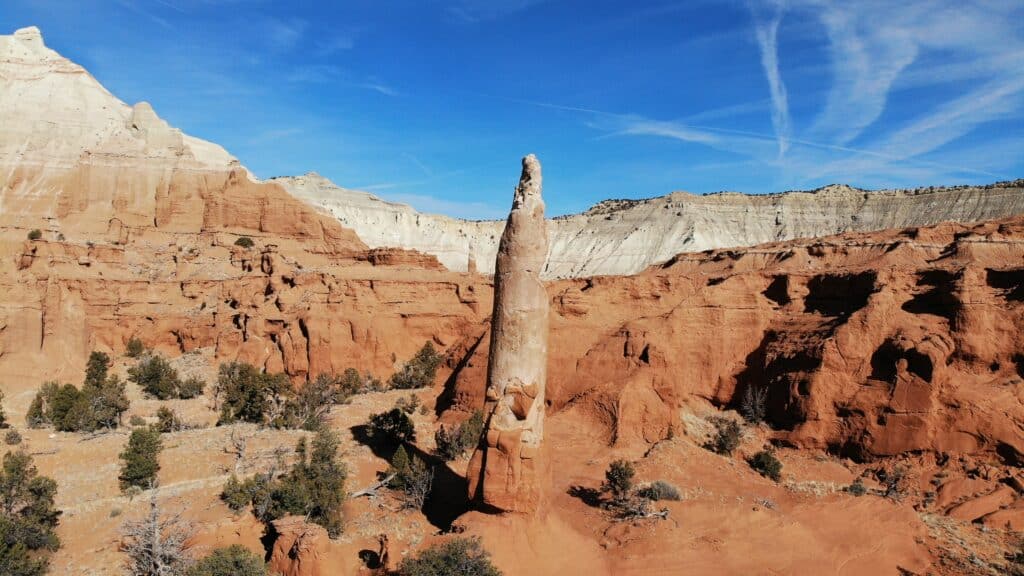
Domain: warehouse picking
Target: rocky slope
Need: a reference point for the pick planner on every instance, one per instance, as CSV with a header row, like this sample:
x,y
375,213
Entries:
x,y
626,236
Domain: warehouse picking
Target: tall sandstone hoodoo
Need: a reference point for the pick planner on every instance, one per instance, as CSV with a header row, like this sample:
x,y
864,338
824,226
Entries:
x,y
506,469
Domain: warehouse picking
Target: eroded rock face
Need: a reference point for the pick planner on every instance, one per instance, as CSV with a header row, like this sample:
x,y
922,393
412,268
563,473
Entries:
x,y
507,466
867,345
303,549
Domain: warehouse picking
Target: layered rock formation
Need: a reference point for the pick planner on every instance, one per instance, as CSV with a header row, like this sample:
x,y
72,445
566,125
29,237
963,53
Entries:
x,y
507,467
626,236
138,223
78,163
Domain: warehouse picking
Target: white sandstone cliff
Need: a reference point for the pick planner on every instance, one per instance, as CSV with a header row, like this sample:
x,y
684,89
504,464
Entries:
x,y
626,236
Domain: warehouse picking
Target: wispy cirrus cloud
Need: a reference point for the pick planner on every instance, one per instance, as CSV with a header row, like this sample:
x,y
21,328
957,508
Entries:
x,y
283,34
472,11
971,50
767,33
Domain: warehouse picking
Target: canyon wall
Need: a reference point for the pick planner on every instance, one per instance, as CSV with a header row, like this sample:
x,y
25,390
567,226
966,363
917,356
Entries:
x,y
867,344
626,236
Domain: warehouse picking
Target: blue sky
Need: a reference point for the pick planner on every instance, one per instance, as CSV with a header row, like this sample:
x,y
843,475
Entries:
x,y
433,103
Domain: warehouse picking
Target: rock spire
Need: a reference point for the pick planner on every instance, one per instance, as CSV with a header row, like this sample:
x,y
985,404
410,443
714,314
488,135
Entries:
x,y
505,471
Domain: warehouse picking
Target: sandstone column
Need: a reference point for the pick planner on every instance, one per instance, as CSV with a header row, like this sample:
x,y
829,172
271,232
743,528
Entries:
x,y
506,471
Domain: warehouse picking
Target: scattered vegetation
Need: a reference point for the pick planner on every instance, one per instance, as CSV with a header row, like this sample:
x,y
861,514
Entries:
x,y
167,421
462,556
727,436
3,414
754,406
244,242
141,459
413,478
408,405
137,420
134,348
857,488
455,441
191,387
766,464
12,438
659,490
248,395
625,503
310,405
28,518
419,371
314,487
895,482
35,234
393,427
618,479
238,494
234,560
352,383
100,403
161,381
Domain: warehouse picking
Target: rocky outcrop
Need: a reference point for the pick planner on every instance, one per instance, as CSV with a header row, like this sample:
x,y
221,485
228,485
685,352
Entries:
x,y
506,468
626,236
303,549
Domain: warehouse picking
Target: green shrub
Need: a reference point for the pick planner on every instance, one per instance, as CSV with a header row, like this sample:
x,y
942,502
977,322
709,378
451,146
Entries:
x,y
659,490
244,242
134,348
168,421
419,371
100,404
454,442
106,403
234,560
857,488
408,405
156,377
727,437
137,420
315,487
191,388
393,427
767,465
352,383
12,438
141,459
35,234
28,518
96,369
311,404
462,556
238,494
249,395
413,478
618,479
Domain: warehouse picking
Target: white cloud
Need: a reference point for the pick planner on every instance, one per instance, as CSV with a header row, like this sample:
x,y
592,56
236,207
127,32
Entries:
x,y
767,33
284,34
478,10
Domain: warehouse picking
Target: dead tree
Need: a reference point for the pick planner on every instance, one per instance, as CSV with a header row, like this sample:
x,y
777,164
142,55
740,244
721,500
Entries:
x,y
238,446
372,489
155,545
